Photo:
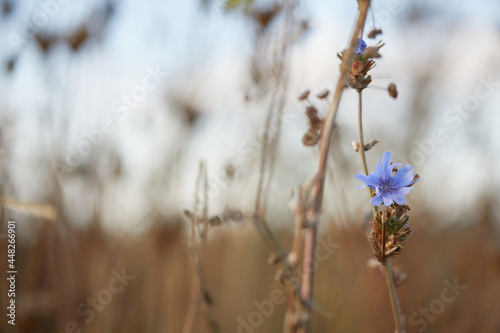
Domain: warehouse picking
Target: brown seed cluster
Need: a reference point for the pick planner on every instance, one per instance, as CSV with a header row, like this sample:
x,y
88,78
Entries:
x,y
312,135
315,120
390,229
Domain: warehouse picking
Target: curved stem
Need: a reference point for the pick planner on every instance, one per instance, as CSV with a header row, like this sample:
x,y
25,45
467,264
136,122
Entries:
x,y
396,309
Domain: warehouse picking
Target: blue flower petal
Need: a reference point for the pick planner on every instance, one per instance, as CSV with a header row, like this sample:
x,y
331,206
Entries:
x,y
386,165
402,191
376,200
416,180
380,171
388,188
386,159
371,180
387,199
400,199
404,176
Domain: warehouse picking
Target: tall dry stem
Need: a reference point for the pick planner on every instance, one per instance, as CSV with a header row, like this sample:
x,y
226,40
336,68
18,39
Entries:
x,y
318,184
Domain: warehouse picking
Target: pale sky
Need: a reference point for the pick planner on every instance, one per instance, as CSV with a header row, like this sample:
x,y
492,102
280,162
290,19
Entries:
x,y
209,54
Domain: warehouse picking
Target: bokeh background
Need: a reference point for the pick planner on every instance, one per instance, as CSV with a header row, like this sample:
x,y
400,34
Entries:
x,y
107,109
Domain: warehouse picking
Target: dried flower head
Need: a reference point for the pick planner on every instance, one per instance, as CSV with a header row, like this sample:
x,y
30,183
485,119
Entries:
x,y
315,121
372,52
311,137
323,94
374,33
304,95
358,67
393,221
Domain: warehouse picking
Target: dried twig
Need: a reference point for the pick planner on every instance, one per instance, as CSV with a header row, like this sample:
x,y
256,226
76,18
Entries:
x,y
319,180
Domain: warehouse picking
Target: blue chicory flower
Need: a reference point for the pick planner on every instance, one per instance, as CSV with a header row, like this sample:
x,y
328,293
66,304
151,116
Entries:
x,y
360,47
388,188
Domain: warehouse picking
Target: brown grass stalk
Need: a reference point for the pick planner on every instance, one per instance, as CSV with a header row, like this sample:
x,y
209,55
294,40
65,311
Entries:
x,y
270,139
199,295
318,184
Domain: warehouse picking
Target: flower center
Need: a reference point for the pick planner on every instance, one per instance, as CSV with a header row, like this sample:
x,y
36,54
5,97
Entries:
x,y
386,185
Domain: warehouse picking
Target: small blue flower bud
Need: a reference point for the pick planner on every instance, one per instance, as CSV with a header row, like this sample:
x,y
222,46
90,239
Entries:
x,y
360,47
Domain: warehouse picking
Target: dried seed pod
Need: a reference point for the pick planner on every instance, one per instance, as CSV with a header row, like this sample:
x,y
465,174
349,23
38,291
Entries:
x,y
355,145
315,122
372,52
323,94
236,215
374,33
393,90
370,144
215,221
229,214
76,40
304,95
46,41
311,138
188,214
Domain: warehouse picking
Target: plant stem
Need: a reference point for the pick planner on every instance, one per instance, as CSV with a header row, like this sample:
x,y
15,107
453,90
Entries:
x,y
362,144
396,310
318,183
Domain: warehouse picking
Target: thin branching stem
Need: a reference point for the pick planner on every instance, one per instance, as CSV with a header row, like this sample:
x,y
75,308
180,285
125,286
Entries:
x,y
271,140
200,297
195,282
396,309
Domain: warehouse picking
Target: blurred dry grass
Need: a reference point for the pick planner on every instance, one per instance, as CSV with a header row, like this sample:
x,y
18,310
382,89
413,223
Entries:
x,y
63,266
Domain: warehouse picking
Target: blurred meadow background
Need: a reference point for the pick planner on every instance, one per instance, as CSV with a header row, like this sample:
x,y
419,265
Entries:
x,y
107,109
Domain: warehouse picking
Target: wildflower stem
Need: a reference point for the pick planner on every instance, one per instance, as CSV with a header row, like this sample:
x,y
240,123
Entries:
x,y
362,144
396,310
